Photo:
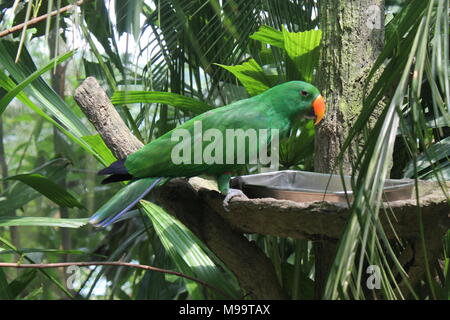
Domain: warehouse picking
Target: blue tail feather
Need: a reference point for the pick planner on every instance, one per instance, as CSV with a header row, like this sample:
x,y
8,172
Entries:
x,y
123,201
117,172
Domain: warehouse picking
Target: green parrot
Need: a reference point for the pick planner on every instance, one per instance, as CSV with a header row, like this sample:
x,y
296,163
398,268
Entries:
x,y
166,157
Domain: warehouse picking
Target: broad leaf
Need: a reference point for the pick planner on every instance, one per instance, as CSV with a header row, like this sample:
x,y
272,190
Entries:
x,y
11,94
98,145
20,283
173,99
251,75
186,249
302,48
49,189
270,36
99,24
18,194
435,153
42,221
5,293
128,16
22,251
38,89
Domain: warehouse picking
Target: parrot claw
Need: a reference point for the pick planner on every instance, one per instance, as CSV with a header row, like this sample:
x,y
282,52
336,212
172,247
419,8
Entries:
x,y
232,193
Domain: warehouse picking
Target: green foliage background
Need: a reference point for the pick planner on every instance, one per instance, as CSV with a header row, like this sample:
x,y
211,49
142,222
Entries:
x,y
163,62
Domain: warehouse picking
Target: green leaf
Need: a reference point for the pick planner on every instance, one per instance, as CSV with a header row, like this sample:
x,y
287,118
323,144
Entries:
x,y
11,94
99,24
439,171
302,48
186,250
34,295
128,16
121,200
98,145
5,293
47,99
21,282
173,99
251,75
436,152
42,221
57,110
38,89
304,283
41,8
270,36
296,148
22,251
17,195
95,69
55,281
49,189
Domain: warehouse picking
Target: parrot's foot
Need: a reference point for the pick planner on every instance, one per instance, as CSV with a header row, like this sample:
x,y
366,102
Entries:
x,y
232,193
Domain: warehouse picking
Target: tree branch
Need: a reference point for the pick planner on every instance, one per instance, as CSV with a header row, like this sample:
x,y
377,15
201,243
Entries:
x,y
314,220
97,107
39,19
109,263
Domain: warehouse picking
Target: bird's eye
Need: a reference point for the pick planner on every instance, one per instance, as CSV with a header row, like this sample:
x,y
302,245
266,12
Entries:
x,y
304,93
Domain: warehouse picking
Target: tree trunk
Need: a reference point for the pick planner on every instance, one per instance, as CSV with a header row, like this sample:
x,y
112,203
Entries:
x,y
58,83
353,37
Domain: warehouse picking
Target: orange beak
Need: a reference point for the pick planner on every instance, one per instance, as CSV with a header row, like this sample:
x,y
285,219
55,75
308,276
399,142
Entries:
x,y
319,108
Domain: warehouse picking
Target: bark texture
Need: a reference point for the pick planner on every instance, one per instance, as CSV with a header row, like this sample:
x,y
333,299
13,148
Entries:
x,y
94,102
353,38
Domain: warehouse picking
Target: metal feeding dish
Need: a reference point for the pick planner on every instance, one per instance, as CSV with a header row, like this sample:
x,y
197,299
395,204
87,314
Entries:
x,y
303,186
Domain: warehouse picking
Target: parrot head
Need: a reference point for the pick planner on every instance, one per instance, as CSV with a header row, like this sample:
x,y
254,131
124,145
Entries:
x,y
302,98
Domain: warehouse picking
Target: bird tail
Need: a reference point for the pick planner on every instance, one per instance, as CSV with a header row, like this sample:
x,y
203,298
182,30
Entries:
x,y
116,171
123,201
